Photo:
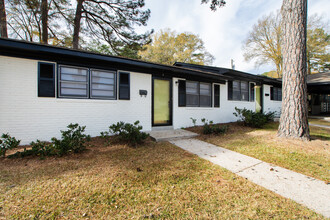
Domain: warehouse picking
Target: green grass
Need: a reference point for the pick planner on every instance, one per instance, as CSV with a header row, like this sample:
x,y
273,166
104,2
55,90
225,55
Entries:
x,y
157,180
311,158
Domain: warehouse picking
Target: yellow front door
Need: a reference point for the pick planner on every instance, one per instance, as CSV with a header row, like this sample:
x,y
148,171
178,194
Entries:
x,y
161,107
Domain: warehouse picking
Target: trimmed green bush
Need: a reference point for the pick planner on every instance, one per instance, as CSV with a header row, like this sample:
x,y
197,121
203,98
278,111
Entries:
x,y
210,128
72,140
6,143
253,119
130,133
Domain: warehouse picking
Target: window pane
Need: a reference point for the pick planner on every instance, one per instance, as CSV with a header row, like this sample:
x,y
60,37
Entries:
x,y
73,92
205,101
96,79
74,81
244,86
103,84
78,78
245,96
192,100
236,95
73,70
73,85
192,88
236,85
205,89
102,93
97,73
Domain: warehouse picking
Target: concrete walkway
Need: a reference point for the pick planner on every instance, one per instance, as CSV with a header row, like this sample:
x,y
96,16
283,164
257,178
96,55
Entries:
x,y
314,194
166,135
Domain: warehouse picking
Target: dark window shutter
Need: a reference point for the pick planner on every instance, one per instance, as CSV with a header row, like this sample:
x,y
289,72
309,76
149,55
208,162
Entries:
x,y
216,95
182,93
46,80
279,94
271,93
124,86
230,90
251,92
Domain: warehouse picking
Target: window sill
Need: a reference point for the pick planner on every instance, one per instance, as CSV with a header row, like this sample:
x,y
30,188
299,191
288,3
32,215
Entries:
x,y
80,100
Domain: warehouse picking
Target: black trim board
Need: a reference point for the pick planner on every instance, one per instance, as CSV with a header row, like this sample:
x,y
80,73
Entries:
x,y
22,49
233,74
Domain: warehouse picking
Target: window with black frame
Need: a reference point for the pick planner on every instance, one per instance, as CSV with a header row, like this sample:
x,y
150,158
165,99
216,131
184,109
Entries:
x,y
238,90
73,82
192,93
195,94
103,84
205,94
276,93
80,82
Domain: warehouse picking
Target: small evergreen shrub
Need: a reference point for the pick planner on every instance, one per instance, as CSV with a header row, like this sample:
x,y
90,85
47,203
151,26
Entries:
x,y
105,135
73,140
130,133
210,128
6,143
253,119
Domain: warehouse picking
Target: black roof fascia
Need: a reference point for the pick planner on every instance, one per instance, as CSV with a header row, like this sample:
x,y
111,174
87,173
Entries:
x,y
318,88
234,74
23,49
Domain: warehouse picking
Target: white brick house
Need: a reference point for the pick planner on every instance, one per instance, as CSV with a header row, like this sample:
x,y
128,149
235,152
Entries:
x,y
45,88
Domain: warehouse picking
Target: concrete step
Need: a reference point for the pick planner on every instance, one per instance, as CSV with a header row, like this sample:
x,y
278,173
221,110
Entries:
x,y
167,135
162,128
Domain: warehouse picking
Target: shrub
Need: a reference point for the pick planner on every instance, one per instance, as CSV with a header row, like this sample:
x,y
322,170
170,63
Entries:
x,y
73,140
210,128
129,132
253,119
105,135
194,120
7,142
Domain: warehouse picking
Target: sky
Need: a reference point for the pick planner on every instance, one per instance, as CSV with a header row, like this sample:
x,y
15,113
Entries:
x,y
222,31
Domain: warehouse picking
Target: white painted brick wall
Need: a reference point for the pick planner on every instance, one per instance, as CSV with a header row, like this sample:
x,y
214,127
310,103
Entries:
x,y
29,117
224,114
271,105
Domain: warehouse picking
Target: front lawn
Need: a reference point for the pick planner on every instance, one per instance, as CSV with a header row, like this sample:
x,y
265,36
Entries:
x,y
157,180
310,158
319,121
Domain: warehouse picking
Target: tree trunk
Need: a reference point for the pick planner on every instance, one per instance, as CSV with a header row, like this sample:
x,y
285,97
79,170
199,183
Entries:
x,y
294,121
76,24
44,21
3,20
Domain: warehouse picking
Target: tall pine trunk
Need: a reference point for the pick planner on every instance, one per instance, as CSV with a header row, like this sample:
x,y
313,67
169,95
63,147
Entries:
x,y
44,21
294,121
3,20
76,24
